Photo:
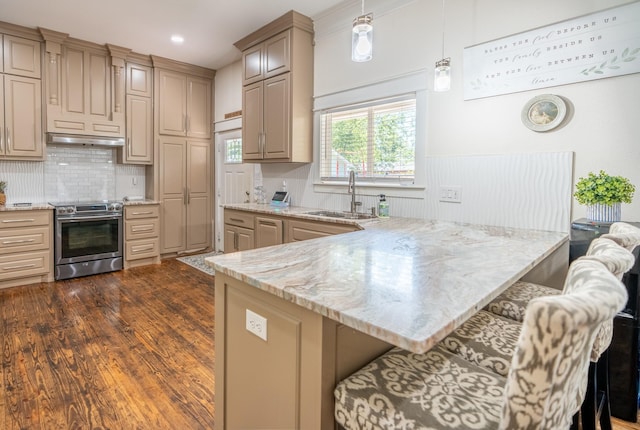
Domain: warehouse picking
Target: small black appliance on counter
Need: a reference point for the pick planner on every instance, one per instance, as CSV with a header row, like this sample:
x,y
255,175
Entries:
x,y
624,365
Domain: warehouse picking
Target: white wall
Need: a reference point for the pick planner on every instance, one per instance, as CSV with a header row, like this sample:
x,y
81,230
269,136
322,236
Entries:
x,y
408,38
601,132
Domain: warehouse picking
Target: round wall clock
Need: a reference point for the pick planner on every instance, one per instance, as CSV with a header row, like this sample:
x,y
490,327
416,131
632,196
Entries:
x,y
544,113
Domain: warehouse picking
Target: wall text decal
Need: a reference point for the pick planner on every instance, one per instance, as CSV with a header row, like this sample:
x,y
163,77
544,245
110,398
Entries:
x,y
599,45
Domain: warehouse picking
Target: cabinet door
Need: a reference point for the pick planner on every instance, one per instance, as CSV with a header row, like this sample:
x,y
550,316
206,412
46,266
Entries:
x,y
139,80
198,195
245,239
173,195
23,110
268,232
252,64
199,108
252,122
3,131
172,103
237,239
139,149
276,55
21,57
277,118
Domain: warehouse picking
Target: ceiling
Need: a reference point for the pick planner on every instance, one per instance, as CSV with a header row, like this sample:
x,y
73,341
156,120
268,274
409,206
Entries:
x,y
209,27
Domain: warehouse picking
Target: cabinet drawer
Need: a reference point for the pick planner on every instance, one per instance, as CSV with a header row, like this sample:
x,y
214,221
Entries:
x,y
12,219
142,229
302,230
137,249
238,218
142,211
24,264
24,239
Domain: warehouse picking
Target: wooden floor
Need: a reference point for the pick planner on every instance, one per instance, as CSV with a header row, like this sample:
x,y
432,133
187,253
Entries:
x,y
125,350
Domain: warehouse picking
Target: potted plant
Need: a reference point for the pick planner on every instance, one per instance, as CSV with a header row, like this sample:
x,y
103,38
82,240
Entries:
x,y
3,196
603,194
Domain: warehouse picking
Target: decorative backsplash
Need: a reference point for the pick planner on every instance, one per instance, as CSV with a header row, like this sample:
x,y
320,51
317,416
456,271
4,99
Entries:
x,y
72,173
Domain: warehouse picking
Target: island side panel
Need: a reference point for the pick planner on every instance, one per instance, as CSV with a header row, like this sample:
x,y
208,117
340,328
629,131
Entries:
x,y
288,380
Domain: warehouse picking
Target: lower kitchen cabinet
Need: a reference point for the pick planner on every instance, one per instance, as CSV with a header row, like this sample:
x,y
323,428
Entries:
x,y
304,230
268,232
185,194
141,237
245,230
238,231
26,254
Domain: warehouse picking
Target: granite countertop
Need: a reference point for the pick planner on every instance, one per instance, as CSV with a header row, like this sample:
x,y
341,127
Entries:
x,y
406,281
140,202
301,213
30,207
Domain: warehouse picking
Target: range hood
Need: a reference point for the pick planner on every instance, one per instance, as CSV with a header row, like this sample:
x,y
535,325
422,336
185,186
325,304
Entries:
x,y
78,140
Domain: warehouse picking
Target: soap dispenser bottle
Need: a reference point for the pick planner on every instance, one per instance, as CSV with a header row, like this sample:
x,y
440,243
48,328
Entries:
x,y
383,207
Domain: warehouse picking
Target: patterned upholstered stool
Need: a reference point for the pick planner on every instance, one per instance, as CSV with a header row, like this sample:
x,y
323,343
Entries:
x,y
488,340
543,388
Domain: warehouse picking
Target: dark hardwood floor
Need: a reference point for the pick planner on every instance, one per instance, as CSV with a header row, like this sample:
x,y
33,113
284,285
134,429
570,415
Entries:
x,y
125,350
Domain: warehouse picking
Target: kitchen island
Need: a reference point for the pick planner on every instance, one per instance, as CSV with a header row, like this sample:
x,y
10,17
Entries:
x,y
320,309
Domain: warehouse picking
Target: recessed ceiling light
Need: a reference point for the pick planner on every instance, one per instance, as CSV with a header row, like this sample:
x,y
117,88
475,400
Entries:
x,y
177,39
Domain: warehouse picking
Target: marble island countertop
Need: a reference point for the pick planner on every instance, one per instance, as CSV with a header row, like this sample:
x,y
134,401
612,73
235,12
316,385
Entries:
x,y
408,282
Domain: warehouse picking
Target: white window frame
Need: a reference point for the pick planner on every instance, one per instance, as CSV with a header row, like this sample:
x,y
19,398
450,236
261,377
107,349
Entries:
x,y
410,83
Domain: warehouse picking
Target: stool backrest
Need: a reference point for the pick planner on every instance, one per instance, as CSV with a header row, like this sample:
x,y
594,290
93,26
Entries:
x,y
617,260
547,380
624,234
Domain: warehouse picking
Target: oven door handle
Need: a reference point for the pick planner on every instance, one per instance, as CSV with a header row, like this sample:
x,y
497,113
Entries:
x,y
89,218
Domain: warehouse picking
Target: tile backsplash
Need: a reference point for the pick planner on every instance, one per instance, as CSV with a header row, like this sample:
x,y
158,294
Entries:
x,y
72,173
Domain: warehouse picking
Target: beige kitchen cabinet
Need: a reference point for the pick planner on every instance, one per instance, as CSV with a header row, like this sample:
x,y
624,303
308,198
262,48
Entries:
x,y
185,194
20,118
85,86
269,231
21,57
21,135
26,253
267,59
239,233
278,91
141,235
139,116
298,230
184,104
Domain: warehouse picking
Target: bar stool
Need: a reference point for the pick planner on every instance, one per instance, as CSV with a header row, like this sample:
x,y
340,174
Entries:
x,y
544,387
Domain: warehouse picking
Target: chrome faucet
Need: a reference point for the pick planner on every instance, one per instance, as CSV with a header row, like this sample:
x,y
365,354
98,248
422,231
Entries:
x,y
352,191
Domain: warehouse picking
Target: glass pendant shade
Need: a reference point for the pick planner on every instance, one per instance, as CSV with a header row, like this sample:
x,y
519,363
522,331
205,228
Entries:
x,y
362,39
442,75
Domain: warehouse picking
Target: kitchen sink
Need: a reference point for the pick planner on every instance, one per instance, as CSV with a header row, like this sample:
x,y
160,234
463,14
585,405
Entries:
x,y
345,215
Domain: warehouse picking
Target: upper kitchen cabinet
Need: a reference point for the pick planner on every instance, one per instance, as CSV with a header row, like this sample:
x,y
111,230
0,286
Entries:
x,y
85,86
184,100
21,57
139,119
20,96
277,99
267,59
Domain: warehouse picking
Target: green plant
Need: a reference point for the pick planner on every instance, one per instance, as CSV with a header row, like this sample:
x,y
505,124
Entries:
x,y
603,189
3,186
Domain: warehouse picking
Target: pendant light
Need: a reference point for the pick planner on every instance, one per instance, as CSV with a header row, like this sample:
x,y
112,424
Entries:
x,y
442,73
362,37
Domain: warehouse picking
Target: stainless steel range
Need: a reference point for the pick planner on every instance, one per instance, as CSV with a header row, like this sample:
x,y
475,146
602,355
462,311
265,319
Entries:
x,y
88,238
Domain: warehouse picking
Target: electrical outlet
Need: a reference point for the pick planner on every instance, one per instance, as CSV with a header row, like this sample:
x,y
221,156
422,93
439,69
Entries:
x,y
451,194
256,324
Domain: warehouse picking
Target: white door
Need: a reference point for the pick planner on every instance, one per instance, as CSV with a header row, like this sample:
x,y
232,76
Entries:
x,y
234,180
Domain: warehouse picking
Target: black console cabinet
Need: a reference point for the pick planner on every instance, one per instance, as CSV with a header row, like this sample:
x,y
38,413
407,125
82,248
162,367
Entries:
x,y
624,362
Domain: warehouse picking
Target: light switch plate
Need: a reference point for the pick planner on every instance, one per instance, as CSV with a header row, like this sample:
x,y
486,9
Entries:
x,y
256,324
451,194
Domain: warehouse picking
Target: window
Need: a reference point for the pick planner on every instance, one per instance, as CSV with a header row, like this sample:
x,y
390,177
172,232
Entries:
x,y
377,139
233,151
